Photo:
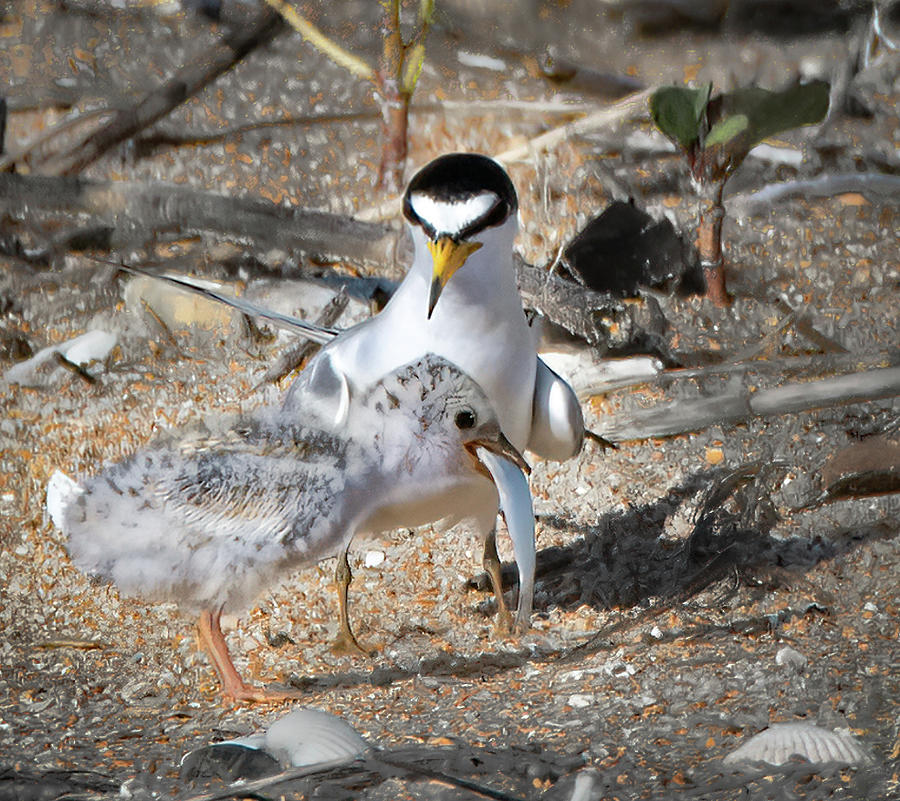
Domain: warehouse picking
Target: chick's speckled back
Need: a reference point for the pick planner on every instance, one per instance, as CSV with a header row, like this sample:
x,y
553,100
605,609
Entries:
x,y
210,523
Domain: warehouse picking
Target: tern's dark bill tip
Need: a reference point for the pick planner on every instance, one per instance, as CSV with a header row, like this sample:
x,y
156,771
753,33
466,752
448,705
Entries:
x,y
434,295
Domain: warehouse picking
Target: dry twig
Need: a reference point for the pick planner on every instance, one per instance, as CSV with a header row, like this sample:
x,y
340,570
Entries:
x,y
158,103
680,416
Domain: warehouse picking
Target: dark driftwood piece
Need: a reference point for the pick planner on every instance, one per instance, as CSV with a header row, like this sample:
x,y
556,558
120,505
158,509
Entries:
x,y
123,215
230,49
370,767
132,215
638,327
678,417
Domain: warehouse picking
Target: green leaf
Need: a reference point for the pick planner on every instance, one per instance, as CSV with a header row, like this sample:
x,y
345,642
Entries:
x,y
769,113
680,112
725,130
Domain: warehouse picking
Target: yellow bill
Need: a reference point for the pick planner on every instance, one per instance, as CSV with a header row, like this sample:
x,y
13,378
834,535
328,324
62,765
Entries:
x,y
448,256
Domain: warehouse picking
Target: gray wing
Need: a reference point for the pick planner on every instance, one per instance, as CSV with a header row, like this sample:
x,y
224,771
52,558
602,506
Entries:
x,y
557,423
211,524
319,395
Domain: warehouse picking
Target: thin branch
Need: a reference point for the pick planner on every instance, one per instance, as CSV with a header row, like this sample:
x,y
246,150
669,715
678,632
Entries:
x,y
879,188
632,106
375,760
803,325
293,357
459,107
157,104
343,58
60,128
244,789
680,416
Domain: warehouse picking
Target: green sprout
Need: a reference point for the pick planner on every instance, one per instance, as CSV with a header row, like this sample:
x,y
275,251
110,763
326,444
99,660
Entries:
x,y
715,134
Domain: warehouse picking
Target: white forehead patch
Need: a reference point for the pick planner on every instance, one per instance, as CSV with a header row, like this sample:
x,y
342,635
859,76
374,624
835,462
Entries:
x,y
450,217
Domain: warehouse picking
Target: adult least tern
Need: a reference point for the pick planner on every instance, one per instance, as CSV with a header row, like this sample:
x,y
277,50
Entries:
x,y
460,300
212,518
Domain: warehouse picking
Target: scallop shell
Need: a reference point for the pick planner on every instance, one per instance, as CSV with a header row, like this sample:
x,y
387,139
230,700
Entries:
x,y
308,736
781,741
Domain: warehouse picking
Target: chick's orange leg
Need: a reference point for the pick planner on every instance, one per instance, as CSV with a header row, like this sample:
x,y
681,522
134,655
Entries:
x,y
233,686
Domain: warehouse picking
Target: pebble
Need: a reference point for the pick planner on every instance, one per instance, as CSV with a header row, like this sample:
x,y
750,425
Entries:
x,y
791,658
580,700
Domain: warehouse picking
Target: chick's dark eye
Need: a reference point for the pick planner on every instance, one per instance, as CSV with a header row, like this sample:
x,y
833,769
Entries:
x,y
465,419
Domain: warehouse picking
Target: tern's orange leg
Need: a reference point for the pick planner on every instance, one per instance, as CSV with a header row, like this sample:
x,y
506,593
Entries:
x,y
233,686
491,561
345,643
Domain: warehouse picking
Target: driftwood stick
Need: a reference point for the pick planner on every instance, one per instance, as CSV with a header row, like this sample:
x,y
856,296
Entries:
x,y
810,367
581,311
615,113
136,214
60,128
678,417
805,327
158,103
381,763
877,187
853,388
293,357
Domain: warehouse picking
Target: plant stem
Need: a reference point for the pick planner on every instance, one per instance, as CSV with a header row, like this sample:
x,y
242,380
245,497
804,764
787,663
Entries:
x,y
394,100
709,243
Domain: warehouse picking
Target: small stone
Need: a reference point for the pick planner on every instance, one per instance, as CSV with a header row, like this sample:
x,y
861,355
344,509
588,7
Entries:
x,y
580,701
788,656
374,558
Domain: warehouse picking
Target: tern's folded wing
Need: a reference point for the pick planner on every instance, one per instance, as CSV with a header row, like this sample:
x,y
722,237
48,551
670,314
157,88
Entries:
x,y
557,423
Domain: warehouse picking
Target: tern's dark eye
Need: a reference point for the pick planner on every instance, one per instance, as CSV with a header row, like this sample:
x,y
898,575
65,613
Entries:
x,y
465,419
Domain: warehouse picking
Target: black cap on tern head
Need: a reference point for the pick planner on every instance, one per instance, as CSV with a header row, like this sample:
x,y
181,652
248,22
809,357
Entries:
x,y
458,195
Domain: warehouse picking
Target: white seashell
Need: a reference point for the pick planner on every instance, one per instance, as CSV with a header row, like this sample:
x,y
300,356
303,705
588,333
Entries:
x,y
93,346
581,701
84,349
61,491
583,789
481,61
777,744
309,736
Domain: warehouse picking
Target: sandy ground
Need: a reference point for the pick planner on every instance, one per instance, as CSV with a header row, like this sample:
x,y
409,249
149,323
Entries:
x,y
661,621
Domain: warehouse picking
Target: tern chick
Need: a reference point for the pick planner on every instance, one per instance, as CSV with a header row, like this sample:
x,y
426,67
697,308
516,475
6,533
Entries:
x,y
213,519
